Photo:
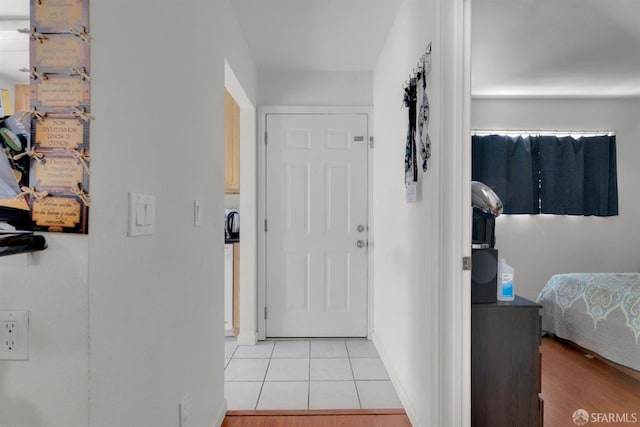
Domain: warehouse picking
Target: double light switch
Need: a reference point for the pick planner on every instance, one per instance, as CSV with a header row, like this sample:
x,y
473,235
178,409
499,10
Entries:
x,y
142,214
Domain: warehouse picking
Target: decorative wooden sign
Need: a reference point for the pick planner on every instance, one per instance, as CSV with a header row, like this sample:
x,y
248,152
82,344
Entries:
x,y
57,132
61,214
58,174
58,16
59,53
58,93
60,107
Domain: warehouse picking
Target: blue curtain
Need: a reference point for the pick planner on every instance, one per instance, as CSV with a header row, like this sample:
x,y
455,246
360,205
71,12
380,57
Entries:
x,y
549,174
578,176
510,168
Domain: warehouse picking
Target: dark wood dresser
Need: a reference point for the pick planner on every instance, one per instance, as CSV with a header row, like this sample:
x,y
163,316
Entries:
x,y
505,364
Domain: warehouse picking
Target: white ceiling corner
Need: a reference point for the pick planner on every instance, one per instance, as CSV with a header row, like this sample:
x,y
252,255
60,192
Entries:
x,y
318,35
555,48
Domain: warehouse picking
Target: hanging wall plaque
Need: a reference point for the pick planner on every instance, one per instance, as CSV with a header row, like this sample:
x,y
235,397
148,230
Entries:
x,y
58,174
59,53
58,16
61,214
60,93
61,105
60,132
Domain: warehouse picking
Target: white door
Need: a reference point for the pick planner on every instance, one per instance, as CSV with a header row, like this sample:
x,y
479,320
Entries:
x,y
316,240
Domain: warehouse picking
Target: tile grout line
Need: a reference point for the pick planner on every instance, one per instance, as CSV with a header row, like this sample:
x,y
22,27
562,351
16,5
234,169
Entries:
x,y
271,356
265,376
355,385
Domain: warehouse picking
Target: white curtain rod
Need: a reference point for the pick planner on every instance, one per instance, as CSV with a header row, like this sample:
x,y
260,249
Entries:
x,y
553,132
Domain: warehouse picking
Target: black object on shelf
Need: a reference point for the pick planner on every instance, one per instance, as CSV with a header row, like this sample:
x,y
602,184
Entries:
x,y
483,231
484,275
21,243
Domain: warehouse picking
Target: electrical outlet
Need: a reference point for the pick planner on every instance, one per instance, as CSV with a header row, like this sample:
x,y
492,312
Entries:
x,y
14,335
9,335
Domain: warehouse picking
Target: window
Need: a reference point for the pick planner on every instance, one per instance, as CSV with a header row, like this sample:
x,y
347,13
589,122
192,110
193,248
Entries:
x,y
549,174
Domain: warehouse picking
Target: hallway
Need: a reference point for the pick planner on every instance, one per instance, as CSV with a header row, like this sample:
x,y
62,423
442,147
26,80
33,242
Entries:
x,y
96,301
307,374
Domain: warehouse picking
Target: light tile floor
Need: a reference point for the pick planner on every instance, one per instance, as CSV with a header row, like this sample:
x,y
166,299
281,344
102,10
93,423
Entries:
x,y
307,374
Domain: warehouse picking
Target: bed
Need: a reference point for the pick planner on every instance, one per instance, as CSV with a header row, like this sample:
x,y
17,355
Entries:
x,y
599,312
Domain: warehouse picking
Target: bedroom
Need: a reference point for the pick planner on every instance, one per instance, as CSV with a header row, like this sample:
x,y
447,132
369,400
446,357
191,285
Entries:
x,y
563,66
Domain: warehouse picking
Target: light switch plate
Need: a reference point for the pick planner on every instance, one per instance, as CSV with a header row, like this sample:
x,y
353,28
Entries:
x,y
142,214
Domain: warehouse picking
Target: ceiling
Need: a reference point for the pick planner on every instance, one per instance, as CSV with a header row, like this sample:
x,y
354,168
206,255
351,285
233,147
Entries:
x,y
519,48
555,48
319,35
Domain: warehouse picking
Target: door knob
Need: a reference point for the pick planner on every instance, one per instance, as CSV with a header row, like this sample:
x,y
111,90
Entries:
x,y
360,243
360,228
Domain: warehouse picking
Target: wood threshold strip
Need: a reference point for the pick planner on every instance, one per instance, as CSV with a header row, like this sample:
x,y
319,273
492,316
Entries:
x,y
318,418
312,412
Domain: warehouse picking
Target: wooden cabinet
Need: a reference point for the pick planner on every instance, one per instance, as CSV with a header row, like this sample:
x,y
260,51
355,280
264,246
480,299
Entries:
x,y
23,95
231,145
505,364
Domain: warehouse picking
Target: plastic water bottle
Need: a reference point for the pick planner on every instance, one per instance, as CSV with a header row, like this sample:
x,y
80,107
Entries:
x,y
506,291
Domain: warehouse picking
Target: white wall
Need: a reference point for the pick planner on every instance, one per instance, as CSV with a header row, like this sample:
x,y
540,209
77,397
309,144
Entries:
x,y
406,236
317,88
539,246
156,306
10,85
6,84
51,388
52,285
118,337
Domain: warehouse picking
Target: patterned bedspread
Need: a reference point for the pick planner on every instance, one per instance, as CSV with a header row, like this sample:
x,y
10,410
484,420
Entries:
x,y
598,311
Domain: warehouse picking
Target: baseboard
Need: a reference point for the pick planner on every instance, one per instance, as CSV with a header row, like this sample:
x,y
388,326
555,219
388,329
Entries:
x,y
402,394
222,411
247,339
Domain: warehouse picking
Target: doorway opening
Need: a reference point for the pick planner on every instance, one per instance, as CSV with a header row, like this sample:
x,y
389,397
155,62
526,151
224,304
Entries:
x,y
243,199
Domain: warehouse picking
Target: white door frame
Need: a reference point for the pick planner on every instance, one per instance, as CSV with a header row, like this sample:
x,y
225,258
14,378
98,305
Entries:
x,y
455,283
262,193
248,192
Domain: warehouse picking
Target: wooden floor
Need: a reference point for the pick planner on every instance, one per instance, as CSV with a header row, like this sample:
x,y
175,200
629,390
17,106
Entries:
x,y
572,381
314,418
